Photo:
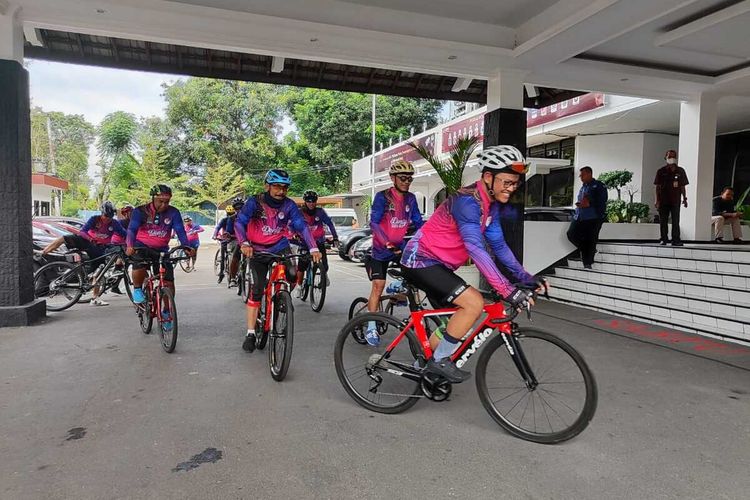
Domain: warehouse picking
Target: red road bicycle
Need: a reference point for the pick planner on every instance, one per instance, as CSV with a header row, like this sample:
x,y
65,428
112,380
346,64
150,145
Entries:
x,y
160,302
533,384
276,316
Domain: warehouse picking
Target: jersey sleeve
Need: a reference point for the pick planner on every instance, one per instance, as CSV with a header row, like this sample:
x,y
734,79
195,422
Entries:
x,y
376,216
243,219
135,222
468,216
118,229
298,224
416,215
219,226
328,222
503,253
179,228
84,231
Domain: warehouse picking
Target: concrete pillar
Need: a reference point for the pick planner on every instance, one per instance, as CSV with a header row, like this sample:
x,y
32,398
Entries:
x,y
17,304
697,148
505,123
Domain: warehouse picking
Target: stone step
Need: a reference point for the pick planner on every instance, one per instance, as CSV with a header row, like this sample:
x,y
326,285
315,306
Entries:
x,y
690,264
739,254
702,306
733,282
656,285
680,319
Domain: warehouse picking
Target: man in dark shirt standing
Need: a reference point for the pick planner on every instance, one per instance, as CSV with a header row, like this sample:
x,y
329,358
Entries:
x,y
723,212
670,185
589,216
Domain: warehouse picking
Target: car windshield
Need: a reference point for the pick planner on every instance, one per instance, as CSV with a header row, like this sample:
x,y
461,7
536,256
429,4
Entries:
x,y
342,220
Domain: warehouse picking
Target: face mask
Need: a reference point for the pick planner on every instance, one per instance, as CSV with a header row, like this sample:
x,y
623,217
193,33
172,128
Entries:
x,y
671,161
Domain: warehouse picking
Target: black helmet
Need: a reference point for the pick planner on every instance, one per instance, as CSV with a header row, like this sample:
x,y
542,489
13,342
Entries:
x,y
310,195
108,209
160,189
237,203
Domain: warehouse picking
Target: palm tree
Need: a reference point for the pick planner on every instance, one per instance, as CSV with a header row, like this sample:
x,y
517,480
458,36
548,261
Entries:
x,y
451,169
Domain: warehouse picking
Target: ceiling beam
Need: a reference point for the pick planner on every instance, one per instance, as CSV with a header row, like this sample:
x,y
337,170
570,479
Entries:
x,y
461,84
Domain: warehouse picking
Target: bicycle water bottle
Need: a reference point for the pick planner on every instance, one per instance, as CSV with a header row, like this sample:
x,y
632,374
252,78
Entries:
x,y
395,287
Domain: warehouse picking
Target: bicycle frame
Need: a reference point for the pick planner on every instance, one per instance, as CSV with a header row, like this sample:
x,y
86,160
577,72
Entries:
x,y
276,282
149,282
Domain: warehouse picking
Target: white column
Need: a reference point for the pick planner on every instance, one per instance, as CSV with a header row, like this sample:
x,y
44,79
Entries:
x,y
697,148
505,90
11,32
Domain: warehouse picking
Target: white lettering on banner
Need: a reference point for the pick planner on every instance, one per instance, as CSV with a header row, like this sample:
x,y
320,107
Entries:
x,y
478,341
397,223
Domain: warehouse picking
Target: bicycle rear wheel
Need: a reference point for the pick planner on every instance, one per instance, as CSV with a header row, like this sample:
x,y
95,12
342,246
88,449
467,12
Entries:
x,y
186,263
261,335
557,408
362,369
60,284
318,288
144,312
306,284
281,336
167,319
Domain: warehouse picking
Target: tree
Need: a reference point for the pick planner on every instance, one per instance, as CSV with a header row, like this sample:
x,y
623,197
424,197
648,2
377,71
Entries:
x,y
616,180
117,144
221,182
450,170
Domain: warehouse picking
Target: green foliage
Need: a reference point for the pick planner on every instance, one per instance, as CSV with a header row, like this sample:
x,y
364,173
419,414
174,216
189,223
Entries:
x,y
741,199
620,211
450,170
616,180
118,134
220,183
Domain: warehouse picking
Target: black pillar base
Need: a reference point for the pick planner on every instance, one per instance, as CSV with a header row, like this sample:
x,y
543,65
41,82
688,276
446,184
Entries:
x,y
508,126
17,304
24,315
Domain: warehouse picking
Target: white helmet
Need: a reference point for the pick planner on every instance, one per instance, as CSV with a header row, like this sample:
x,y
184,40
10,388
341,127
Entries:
x,y
502,157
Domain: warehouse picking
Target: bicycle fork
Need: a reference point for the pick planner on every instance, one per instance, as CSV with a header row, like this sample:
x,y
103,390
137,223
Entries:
x,y
519,359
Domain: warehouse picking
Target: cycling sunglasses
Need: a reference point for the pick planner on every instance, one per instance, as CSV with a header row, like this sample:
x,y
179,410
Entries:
x,y
519,168
405,178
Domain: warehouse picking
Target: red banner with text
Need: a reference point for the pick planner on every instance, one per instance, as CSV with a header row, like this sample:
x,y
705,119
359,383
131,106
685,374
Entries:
x,y
383,160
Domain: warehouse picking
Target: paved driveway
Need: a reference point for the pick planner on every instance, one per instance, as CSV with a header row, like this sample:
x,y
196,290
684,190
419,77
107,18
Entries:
x,y
92,408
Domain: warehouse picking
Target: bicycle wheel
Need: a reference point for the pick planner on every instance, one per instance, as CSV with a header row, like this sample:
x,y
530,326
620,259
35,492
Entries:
x,y
217,261
358,306
186,264
127,281
557,408
362,370
318,288
304,290
60,284
167,319
144,312
281,336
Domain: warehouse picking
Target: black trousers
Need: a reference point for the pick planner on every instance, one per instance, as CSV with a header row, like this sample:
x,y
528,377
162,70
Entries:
x,y
665,211
584,234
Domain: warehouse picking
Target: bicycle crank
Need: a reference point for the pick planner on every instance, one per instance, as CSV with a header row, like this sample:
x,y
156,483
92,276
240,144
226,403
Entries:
x,y
435,388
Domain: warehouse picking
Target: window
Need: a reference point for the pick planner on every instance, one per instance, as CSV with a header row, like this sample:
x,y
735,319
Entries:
x,y
44,208
558,188
535,191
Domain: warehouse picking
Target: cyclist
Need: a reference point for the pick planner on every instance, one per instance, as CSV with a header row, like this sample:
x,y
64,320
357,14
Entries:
x,y
119,239
458,230
392,211
316,218
192,230
149,233
261,226
224,232
93,238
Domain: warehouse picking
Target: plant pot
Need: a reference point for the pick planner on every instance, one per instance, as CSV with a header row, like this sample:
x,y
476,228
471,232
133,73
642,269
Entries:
x,y
470,274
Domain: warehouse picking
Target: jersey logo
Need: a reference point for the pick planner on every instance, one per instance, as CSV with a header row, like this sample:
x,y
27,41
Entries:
x,y
317,219
281,215
488,221
408,208
167,220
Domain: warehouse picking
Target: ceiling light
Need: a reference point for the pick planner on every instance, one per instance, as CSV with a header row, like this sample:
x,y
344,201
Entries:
x,y
624,79
452,57
100,11
313,39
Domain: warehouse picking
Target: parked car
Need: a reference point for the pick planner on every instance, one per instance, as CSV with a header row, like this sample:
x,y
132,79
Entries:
x,y
69,221
554,214
346,242
361,249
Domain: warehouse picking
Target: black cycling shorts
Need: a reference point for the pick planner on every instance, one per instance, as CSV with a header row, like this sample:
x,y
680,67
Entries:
x,y
377,269
143,257
78,242
441,285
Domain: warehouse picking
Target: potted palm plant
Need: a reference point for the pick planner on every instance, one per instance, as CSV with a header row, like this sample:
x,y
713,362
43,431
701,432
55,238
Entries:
x,y
451,171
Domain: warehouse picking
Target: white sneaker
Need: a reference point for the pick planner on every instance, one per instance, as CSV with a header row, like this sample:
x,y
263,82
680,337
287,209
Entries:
x,y
98,302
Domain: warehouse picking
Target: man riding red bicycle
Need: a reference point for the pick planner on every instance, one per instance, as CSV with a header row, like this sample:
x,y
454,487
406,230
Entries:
x,y
457,231
262,226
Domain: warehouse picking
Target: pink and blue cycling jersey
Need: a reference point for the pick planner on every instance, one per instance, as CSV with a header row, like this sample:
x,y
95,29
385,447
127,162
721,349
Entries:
x,y
265,224
458,231
151,229
100,231
389,220
315,221
119,238
193,236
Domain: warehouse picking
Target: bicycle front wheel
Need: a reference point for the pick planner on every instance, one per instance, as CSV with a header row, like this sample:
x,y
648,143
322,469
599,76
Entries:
x,y
144,312
168,321
318,288
217,261
281,335
186,263
363,370
555,403
60,284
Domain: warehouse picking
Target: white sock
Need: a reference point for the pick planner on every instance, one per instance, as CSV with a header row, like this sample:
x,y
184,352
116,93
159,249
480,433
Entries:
x,y
371,325
250,332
